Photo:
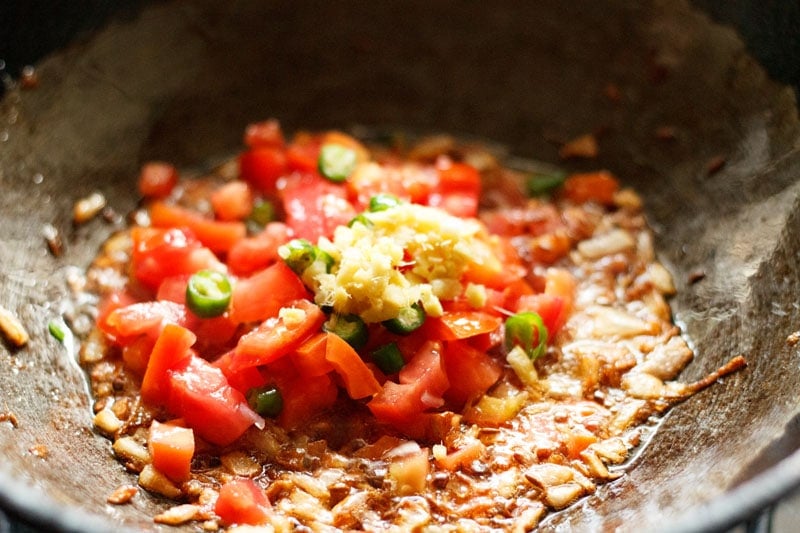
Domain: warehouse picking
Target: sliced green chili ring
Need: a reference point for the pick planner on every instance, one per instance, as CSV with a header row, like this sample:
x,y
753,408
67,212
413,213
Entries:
x,y
337,162
263,213
520,331
382,202
543,184
349,327
298,254
409,319
266,401
325,257
388,358
56,329
208,293
360,218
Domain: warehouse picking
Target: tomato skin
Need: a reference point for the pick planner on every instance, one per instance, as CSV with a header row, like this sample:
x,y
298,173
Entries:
x,y
309,358
143,318
259,251
265,133
315,207
242,380
470,371
172,346
202,396
241,501
359,381
218,236
597,187
261,166
171,448
274,339
157,179
232,201
461,325
305,397
423,381
160,253
262,295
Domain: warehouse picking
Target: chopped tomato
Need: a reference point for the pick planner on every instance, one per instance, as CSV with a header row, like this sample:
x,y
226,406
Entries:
x,y
157,179
143,318
160,253
305,397
262,295
498,270
423,381
136,354
470,371
259,251
262,166
309,358
242,380
200,393
218,236
461,325
173,289
463,456
303,153
277,337
171,448
458,188
597,187
232,201
358,379
172,346
110,303
348,141
547,306
315,206
266,133
369,181
241,501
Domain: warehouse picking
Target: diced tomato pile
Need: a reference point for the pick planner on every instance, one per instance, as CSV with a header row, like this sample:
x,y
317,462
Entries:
x,y
200,370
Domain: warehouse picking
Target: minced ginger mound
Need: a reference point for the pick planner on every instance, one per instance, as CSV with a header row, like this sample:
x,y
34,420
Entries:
x,y
410,253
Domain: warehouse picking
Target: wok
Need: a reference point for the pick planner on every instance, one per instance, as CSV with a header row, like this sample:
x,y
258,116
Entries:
x,y
683,113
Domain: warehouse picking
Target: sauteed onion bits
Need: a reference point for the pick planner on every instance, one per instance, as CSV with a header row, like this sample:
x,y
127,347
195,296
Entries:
x,y
332,333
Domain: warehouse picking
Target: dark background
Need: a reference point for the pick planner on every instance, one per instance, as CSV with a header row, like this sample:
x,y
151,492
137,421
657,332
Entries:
x,y
30,29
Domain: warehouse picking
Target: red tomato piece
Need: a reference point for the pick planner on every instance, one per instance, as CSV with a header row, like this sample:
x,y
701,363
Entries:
x,y
157,179
549,307
217,235
358,379
302,154
171,448
144,318
173,289
309,358
242,380
266,133
241,501
160,253
136,354
255,253
458,188
304,397
470,371
202,396
461,325
423,381
315,206
597,187
274,338
232,201
172,346
262,295
262,166
108,305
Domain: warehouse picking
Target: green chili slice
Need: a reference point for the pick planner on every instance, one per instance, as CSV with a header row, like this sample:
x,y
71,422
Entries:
x,y
543,184
325,257
336,162
382,202
266,401
360,218
409,319
388,358
526,330
349,327
208,293
263,213
298,254
56,329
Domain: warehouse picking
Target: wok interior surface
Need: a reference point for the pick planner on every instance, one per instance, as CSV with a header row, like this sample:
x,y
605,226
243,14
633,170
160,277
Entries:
x,y
181,81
